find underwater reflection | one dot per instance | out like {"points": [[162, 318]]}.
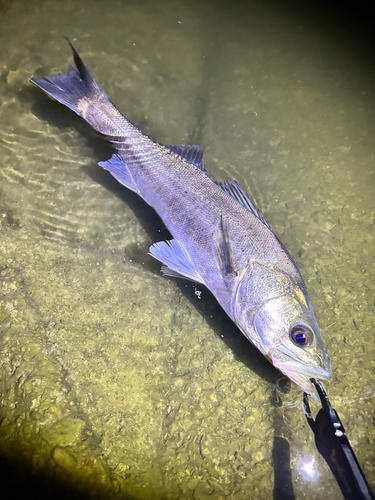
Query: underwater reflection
{"points": [[308, 469]]}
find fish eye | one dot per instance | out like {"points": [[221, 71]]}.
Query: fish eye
{"points": [[301, 335]]}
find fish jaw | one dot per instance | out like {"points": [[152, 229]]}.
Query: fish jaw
{"points": [[284, 360]]}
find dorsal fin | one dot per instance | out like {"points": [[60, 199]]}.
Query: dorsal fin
{"points": [[193, 154], [235, 191]]}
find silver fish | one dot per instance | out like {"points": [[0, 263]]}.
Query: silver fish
{"points": [[220, 237]]}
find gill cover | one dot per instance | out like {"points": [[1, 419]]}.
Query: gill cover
{"points": [[264, 305], [273, 311]]}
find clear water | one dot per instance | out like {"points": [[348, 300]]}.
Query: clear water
{"points": [[122, 383]]}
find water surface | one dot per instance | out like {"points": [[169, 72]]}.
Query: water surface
{"points": [[115, 381]]}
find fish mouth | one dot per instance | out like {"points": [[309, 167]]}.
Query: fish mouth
{"points": [[298, 371]]}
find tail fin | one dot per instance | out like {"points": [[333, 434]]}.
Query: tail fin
{"points": [[70, 89], [79, 91]]}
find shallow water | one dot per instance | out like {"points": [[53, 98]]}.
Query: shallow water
{"points": [[115, 381]]}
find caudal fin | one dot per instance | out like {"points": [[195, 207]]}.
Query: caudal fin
{"points": [[70, 89], [79, 91]]}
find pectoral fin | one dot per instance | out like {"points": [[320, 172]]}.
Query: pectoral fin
{"points": [[222, 250], [176, 260]]}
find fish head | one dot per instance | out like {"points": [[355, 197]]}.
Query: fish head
{"points": [[273, 310]]}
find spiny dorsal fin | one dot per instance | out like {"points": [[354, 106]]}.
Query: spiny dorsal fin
{"points": [[235, 191], [222, 250], [193, 154]]}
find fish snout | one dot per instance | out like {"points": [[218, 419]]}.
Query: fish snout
{"points": [[301, 372]]}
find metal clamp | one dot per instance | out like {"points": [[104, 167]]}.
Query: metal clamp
{"points": [[333, 445]]}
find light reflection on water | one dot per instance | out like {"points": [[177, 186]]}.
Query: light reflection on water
{"points": [[308, 469]]}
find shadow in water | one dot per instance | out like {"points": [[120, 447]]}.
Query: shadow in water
{"points": [[283, 483]]}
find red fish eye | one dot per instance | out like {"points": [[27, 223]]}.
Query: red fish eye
{"points": [[300, 336]]}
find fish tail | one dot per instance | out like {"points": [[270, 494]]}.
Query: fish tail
{"points": [[79, 91]]}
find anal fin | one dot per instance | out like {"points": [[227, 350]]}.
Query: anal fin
{"points": [[175, 259], [117, 167]]}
